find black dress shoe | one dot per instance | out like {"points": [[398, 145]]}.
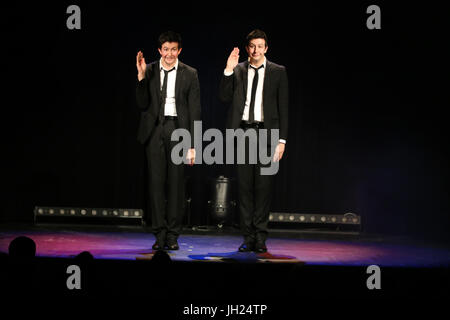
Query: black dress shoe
{"points": [[172, 244], [260, 246], [246, 247], [158, 245]]}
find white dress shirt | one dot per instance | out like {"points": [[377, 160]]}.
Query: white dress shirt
{"points": [[169, 107], [258, 114]]}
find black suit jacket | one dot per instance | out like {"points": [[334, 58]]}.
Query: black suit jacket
{"points": [[233, 89], [187, 99]]}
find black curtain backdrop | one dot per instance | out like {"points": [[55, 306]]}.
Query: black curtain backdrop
{"points": [[367, 125]]}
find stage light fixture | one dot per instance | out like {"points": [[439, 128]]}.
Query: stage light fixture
{"points": [[348, 219], [94, 215]]}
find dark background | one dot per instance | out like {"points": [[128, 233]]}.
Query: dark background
{"points": [[367, 115]]}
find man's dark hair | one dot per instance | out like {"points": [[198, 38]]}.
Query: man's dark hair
{"points": [[169, 36], [256, 34]]}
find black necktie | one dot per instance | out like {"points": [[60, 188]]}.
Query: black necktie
{"points": [[251, 115], [163, 95]]}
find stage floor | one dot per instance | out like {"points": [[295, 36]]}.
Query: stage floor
{"points": [[134, 243], [208, 268]]}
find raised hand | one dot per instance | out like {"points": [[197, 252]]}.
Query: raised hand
{"points": [[141, 65], [233, 60]]}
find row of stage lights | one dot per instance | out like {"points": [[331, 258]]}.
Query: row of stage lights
{"points": [[348, 218], [88, 212]]}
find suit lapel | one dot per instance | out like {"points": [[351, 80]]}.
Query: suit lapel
{"points": [[245, 77], [267, 74], [179, 80], [157, 74]]}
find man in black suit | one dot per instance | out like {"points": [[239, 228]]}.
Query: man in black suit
{"points": [[168, 94], [258, 92]]}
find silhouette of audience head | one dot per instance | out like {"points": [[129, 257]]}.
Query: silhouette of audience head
{"points": [[22, 247], [84, 256], [161, 257]]}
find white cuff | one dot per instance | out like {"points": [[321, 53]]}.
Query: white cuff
{"points": [[227, 73], [282, 141]]}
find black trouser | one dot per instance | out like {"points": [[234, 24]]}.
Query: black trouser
{"points": [[166, 182], [254, 194]]}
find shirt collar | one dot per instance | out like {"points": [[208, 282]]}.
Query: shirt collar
{"points": [[263, 64], [162, 68]]}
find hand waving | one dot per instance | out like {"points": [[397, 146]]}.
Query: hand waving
{"points": [[140, 65], [233, 60]]}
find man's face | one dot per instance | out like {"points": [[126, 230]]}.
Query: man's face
{"points": [[256, 49], [169, 53]]}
